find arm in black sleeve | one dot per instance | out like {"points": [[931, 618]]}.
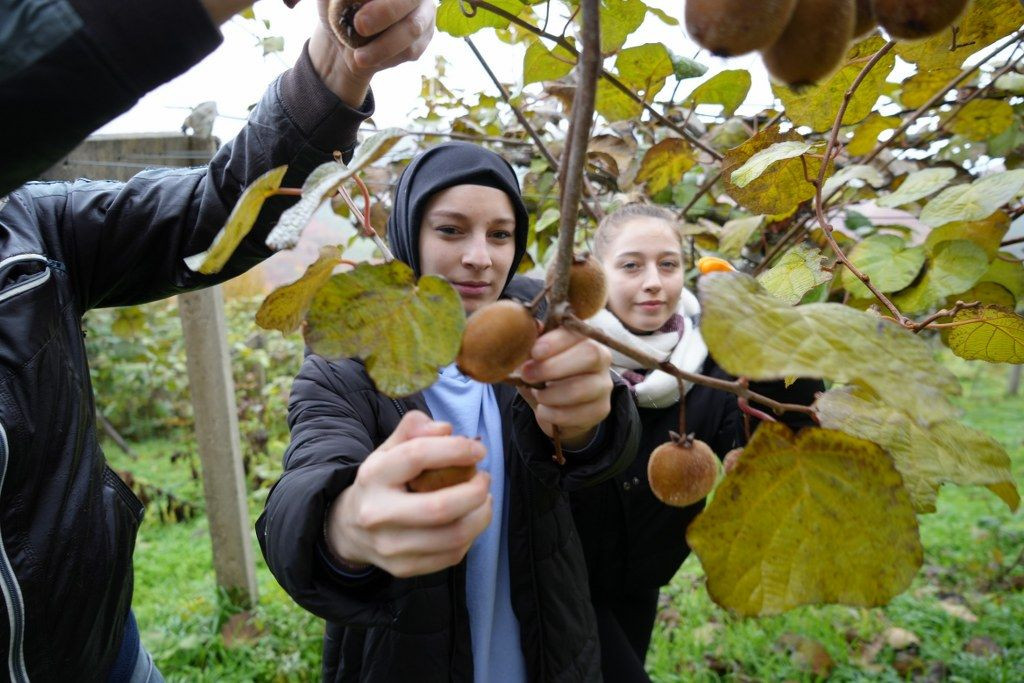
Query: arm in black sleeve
{"points": [[125, 243], [71, 66]]}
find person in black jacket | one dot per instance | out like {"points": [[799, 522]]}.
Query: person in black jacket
{"points": [[69, 66], [634, 543], [67, 523], [482, 581]]}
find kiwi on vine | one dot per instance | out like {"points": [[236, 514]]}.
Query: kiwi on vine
{"points": [[732, 458], [441, 478], [911, 19], [682, 471], [864, 22], [498, 339], [588, 290], [341, 15], [727, 28], [813, 43]]}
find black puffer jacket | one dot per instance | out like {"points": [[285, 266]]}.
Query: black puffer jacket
{"points": [[67, 523], [633, 541], [385, 629]]}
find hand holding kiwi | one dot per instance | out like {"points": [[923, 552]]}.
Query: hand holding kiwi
{"points": [[341, 16]]}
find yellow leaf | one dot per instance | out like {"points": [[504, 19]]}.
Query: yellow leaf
{"points": [[615, 105], [982, 119], [818, 105], [820, 518], [887, 261], [451, 20], [541, 64], [736, 233], [986, 293], [927, 456], [286, 306], [645, 68], [239, 223], [619, 18], [865, 137], [1008, 274], [665, 163], [756, 165], [988, 333], [782, 187], [919, 88]]}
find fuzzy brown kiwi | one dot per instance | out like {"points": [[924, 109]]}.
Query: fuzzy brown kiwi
{"points": [[441, 478], [865, 19], [734, 27], [341, 16], [588, 290], [497, 340], [682, 471], [910, 19], [814, 42], [732, 458]]}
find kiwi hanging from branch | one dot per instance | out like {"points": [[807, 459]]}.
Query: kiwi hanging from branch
{"points": [[727, 28], [813, 43], [682, 471], [588, 290], [912, 19], [498, 339], [341, 15]]}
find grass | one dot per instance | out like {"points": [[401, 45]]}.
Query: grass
{"points": [[967, 591]]}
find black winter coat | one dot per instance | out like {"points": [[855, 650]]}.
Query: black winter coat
{"points": [[67, 523], [631, 539], [386, 629]]}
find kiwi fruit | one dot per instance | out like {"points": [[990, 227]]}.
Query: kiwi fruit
{"points": [[588, 291], [341, 15], [682, 471], [814, 42], [911, 19], [727, 28], [864, 22], [732, 458], [441, 478], [498, 339]]}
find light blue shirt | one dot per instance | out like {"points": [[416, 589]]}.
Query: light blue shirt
{"points": [[472, 410]]}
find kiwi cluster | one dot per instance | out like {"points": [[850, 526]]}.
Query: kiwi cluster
{"points": [[682, 471], [802, 41]]}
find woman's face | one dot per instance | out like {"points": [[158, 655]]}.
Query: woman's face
{"points": [[467, 236], [644, 266]]}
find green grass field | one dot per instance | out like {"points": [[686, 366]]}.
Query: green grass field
{"points": [[962, 620]]}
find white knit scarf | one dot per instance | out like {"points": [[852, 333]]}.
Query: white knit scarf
{"points": [[684, 348]]}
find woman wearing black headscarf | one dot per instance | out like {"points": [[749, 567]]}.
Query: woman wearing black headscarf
{"points": [[481, 581]]}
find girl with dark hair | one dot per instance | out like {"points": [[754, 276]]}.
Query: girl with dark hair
{"points": [[484, 580], [634, 543]]}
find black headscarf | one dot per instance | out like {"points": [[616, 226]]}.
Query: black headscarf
{"points": [[441, 167]]}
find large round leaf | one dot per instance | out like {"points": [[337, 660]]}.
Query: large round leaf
{"points": [[988, 333], [887, 260]]}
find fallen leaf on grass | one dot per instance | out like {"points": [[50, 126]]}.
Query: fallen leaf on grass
{"points": [[900, 638], [239, 630], [955, 609], [707, 634], [807, 654]]}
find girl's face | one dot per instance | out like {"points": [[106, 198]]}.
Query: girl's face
{"points": [[644, 266], [468, 237]]}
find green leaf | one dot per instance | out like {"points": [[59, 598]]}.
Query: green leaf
{"points": [[779, 191], [736, 233], [865, 137], [796, 273], [868, 174], [923, 85], [728, 88], [546, 220], [684, 67], [982, 119], [613, 104], [619, 18], [645, 68], [1009, 274], [995, 335], [756, 165], [918, 185], [286, 306], [887, 261], [541, 64], [239, 223], [405, 330], [374, 147], [452, 21], [927, 456], [129, 322], [819, 105], [665, 163], [954, 266], [818, 518], [973, 202], [987, 233], [664, 16], [752, 334]]}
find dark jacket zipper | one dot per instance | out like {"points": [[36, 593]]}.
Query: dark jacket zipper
{"points": [[11, 590]]}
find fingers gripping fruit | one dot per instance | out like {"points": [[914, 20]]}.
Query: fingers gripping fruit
{"points": [[916, 18], [682, 471], [587, 289], [735, 27], [497, 340], [443, 477], [341, 16], [813, 43]]}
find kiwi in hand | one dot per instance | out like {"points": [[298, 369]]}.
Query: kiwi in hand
{"points": [[910, 19], [682, 471], [813, 43], [734, 27], [498, 339], [341, 15], [441, 478]]}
